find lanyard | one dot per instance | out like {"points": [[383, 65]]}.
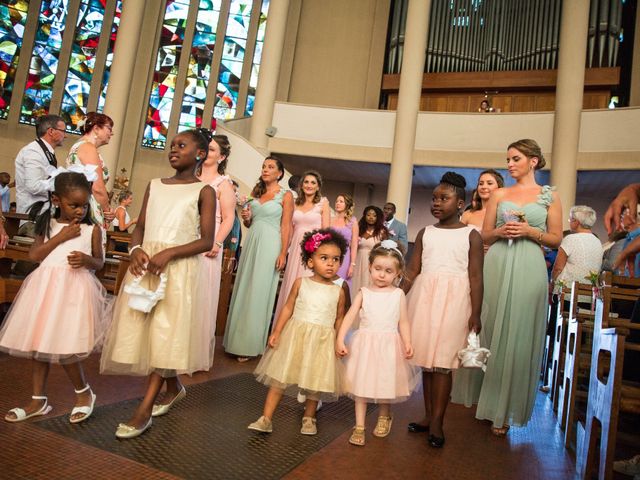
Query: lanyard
{"points": [[51, 157]]}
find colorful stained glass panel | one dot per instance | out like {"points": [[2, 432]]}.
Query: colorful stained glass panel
{"points": [[235, 42], [166, 71], [44, 60], [109, 60], [195, 93], [82, 62], [13, 17], [257, 57]]}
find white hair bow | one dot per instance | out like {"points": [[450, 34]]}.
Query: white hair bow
{"points": [[390, 245], [89, 171]]}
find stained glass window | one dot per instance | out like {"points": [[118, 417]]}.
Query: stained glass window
{"points": [[109, 60], [235, 42], [257, 56], [166, 72], [44, 60], [204, 41], [13, 17], [82, 61]]}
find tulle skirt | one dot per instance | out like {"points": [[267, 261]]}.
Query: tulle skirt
{"points": [[376, 368], [60, 315], [304, 359], [439, 306], [177, 336]]}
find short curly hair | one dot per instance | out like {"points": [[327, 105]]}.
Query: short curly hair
{"points": [[334, 238]]}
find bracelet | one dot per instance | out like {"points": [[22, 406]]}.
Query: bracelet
{"points": [[540, 236], [219, 244], [133, 248]]}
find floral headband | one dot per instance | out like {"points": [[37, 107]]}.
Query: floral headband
{"points": [[315, 240], [89, 171], [390, 245]]}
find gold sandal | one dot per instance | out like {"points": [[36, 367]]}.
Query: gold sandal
{"points": [[500, 431], [383, 427], [357, 437]]}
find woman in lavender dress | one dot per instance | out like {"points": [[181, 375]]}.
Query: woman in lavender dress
{"points": [[344, 222]]}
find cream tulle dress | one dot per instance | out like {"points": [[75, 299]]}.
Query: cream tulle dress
{"points": [[305, 356], [177, 336], [376, 368], [60, 313]]}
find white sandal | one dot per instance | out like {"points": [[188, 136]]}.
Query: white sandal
{"points": [[86, 409], [22, 415]]}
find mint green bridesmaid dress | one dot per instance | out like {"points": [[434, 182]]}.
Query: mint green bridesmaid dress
{"points": [[256, 282], [514, 319]]}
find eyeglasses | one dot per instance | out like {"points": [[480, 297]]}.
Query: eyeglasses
{"points": [[58, 129]]}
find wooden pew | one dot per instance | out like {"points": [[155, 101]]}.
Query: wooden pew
{"points": [[578, 347], [226, 288], [608, 396], [558, 355], [9, 285]]}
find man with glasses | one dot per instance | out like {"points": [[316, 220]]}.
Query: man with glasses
{"points": [[31, 165]]}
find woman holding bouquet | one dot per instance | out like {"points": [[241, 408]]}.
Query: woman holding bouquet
{"points": [[519, 221]]}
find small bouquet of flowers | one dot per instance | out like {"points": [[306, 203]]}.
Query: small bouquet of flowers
{"points": [[243, 200], [594, 279], [513, 216]]}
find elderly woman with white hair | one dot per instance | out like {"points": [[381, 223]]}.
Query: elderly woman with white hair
{"points": [[581, 251]]}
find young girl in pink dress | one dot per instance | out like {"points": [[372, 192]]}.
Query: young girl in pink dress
{"points": [[61, 311], [301, 346], [377, 369], [445, 299], [311, 212]]}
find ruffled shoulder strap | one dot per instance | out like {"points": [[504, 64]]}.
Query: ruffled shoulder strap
{"points": [[545, 197], [280, 195]]}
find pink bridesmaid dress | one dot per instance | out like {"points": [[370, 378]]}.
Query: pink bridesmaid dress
{"points": [[303, 222]]}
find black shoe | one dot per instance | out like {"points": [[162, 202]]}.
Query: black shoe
{"points": [[436, 442], [415, 427]]}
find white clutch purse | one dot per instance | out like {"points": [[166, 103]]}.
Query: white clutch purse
{"points": [[142, 299], [474, 356]]}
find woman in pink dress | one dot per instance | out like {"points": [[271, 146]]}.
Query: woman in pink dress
{"points": [[213, 172], [311, 212], [371, 230], [345, 223]]}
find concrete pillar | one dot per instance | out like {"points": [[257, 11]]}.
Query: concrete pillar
{"points": [[120, 79], [411, 74], [269, 72], [569, 93]]}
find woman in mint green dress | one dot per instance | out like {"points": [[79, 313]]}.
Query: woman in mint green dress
{"points": [[264, 253], [519, 221]]}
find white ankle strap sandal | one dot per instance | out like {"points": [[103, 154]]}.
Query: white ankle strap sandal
{"points": [[142, 299]]}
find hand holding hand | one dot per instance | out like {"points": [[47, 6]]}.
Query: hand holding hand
{"points": [[341, 349], [78, 259], [139, 260], [517, 229], [159, 261], [70, 231]]}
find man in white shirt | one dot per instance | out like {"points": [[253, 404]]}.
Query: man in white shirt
{"points": [[31, 164], [397, 229]]}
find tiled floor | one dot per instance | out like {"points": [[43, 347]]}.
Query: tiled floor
{"points": [[471, 452]]}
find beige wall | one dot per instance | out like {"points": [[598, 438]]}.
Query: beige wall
{"points": [[334, 50]]}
